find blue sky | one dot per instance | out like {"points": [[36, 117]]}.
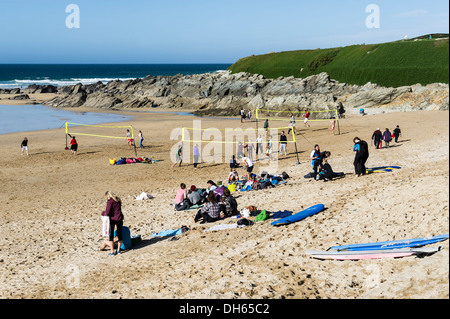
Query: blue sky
{"points": [[201, 31]]}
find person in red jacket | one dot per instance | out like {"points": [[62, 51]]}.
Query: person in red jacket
{"points": [[114, 211]]}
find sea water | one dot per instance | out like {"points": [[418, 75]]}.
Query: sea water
{"points": [[37, 117], [24, 118], [23, 75]]}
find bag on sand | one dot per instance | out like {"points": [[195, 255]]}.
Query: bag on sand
{"points": [[105, 225]]}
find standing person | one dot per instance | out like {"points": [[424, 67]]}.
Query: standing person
{"points": [[292, 124], [24, 145], [240, 150], [333, 125], [242, 115], [397, 133], [283, 143], [249, 166], [361, 150], [306, 116], [73, 145], [114, 211], [141, 138], [129, 138], [249, 115], [316, 159], [387, 137], [259, 147], [233, 163], [376, 137], [179, 156], [250, 147], [266, 125], [196, 156], [269, 148]]}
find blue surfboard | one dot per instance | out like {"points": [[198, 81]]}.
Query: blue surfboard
{"points": [[299, 216], [395, 244]]}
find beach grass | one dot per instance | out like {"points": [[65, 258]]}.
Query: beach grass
{"points": [[390, 64]]}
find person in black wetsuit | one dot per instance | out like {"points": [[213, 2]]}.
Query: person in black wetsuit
{"points": [[361, 150], [377, 136]]}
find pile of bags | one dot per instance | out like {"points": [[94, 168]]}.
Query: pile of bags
{"points": [[124, 160]]}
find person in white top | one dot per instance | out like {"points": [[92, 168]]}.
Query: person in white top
{"points": [[248, 165]]}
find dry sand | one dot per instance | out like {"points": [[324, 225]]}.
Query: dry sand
{"points": [[52, 201]]}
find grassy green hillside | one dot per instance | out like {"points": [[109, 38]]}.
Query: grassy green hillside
{"points": [[388, 64]]}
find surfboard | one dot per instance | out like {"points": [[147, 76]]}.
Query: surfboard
{"points": [[395, 244], [371, 254], [299, 216]]}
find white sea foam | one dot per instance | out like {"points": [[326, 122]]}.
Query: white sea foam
{"points": [[24, 83]]}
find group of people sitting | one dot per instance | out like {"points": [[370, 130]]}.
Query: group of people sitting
{"points": [[217, 202]]}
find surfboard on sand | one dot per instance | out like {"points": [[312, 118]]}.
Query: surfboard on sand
{"points": [[395, 244], [381, 169], [299, 216], [372, 254]]}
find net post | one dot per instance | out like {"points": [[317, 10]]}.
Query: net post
{"points": [[337, 119]]}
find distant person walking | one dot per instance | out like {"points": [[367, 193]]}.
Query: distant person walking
{"points": [[387, 137], [179, 156], [397, 133], [24, 146], [361, 150], [377, 137]]}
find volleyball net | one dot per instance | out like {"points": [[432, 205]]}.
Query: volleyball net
{"points": [[106, 131], [233, 135], [277, 115]]}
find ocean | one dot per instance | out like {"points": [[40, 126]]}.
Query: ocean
{"points": [[22, 75], [25, 118]]}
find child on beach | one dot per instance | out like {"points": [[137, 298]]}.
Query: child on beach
{"points": [[24, 145], [141, 138], [129, 138], [181, 194], [333, 124]]}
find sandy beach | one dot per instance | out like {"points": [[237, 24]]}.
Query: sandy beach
{"points": [[52, 201]]}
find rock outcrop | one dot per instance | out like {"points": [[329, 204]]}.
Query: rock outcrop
{"points": [[225, 94]]}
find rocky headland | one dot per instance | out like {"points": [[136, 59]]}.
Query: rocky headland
{"points": [[225, 94]]}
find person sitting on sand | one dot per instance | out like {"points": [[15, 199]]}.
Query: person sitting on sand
{"points": [[210, 187], [229, 206], [233, 176], [181, 194], [194, 196], [210, 212]]}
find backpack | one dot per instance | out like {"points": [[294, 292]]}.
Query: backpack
{"points": [[185, 204], [262, 216]]}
